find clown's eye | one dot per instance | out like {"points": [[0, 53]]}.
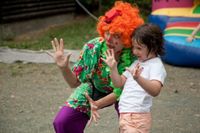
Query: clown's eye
{"points": [[116, 36]]}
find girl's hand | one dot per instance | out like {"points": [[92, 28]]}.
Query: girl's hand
{"points": [[61, 60], [110, 58], [136, 71], [94, 114]]}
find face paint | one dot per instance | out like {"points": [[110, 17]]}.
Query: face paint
{"points": [[114, 42]]}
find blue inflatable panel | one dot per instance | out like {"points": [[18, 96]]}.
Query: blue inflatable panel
{"points": [[182, 55], [178, 51], [181, 40], [159, 20], [183, 19], [176, 28]]}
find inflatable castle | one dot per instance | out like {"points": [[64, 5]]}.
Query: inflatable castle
{"points": [[178, 19]]}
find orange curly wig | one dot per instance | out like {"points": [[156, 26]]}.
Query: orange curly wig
{"points": [[122, 19]]}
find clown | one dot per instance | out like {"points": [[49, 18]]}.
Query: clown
{"points": [[90, 74]]}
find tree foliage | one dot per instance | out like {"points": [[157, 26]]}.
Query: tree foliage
{"points": [[144, 5], [103, 5]]}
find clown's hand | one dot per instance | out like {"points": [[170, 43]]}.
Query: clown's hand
{"points": [[94, 113], [61, 60]]}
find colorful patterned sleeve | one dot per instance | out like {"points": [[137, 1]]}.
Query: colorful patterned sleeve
{"points": [[87, 60]]}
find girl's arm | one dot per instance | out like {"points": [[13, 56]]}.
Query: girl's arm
{"points": [[117, 79], [152, 87]]}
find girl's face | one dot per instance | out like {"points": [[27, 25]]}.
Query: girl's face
{"points": [[142, 52], [114, 42]]}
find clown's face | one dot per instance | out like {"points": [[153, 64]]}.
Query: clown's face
{"points": [[114, 42]]}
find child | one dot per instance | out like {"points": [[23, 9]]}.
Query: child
{"points": [[142, 81], [194, 32]]}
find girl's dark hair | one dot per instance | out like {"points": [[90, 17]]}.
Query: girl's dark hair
{"points": [[151, 36]]}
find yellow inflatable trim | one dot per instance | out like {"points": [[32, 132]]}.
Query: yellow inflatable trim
{"points": [[186, 35], [183, 12], [186, 28]]}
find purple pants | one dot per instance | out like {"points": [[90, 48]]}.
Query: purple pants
{"points": [[69, 120]]}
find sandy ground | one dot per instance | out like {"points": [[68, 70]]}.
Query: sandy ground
{"points": [[31, 95]]}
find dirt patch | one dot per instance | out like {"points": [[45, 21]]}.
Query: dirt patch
{"points": [[31, 94]]}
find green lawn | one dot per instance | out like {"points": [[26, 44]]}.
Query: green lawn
{"points": [[75, 33]]}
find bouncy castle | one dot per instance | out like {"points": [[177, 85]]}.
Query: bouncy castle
{"points": [[178, 19]]}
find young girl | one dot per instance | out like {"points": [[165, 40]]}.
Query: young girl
{"points": [[142, 81]]}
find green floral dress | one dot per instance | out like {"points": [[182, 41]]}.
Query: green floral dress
{"points": [[90, 67]]}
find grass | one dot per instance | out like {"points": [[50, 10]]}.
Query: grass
{"points": [[74, 33]]}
